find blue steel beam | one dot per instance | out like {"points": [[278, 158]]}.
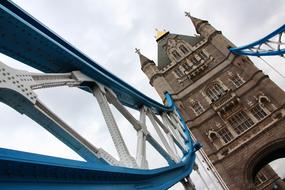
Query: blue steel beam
{"points": [[24, 38], [40, 114], [33, 171], [21, 170], [247, 49]]}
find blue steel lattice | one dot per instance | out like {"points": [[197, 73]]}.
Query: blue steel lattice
{"points": [[271, 45], [27, 40]]}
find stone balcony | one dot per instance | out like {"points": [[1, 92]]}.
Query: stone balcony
{"points": [[227, 103], [196, 70]]}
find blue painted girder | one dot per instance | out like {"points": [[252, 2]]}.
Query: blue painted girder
{"points": [[20, 170], [245, 50], [24, 38]]}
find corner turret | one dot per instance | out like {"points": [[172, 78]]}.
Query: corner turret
{"points": [[202, 27], [147, 65]]}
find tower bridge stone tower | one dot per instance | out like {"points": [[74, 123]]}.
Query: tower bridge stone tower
{"points": [[231, 106]]}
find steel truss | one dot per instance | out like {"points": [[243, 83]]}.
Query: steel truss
{"points": [[271, 45], [27, 40]]}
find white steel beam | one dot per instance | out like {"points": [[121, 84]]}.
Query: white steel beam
{"points": [[141, 142], [125, 158]]}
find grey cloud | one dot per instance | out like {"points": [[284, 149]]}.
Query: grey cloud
{"points": [[108, 32]]}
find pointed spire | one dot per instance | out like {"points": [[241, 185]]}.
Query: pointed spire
{"points": [[143, 59], [196, 21]]}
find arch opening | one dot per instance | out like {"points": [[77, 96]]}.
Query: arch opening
{"points": [[263, 169]]}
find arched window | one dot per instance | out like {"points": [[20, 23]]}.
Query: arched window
{"points": [[258, 112], [215, 139], [183, 49], [178, 73], [215, 91], [266, 104], [236, 80], [186, 66], [225, 134], [197, 107], [202, 55], [194, 60], [176, 54], [240, 122]]}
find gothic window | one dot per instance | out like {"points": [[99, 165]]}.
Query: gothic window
{"points": [[202, 55], [186, 66], [178, 73], [225, 134], [183, 49], [194, 60], [197, 107], [237, 80], [258, 112], [240, 122], [215, 91], [215, 138], [176, 54]]}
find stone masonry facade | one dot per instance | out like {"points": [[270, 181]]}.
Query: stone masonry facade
{"points": [[230, 106]]}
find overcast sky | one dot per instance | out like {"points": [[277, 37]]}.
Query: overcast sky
{"points": [[108, 31]]}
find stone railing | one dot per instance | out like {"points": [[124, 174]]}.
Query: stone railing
{"points": [[226, 104], [190, 75]]}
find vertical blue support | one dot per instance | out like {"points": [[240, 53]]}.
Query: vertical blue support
{"points": [[193, 146]]}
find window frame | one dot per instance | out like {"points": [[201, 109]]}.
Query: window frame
{"points": [[197, 108], [240, 122], [177, 71], [215, 91], [183, 49], [176, 54], [225, 135], [258, 112], [237, 80]]}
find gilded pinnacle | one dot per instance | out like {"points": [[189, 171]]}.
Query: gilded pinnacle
{"points": [[160, 33]]}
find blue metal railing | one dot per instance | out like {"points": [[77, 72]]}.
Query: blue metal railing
{"points": [[248, 49], [22, 33]]}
